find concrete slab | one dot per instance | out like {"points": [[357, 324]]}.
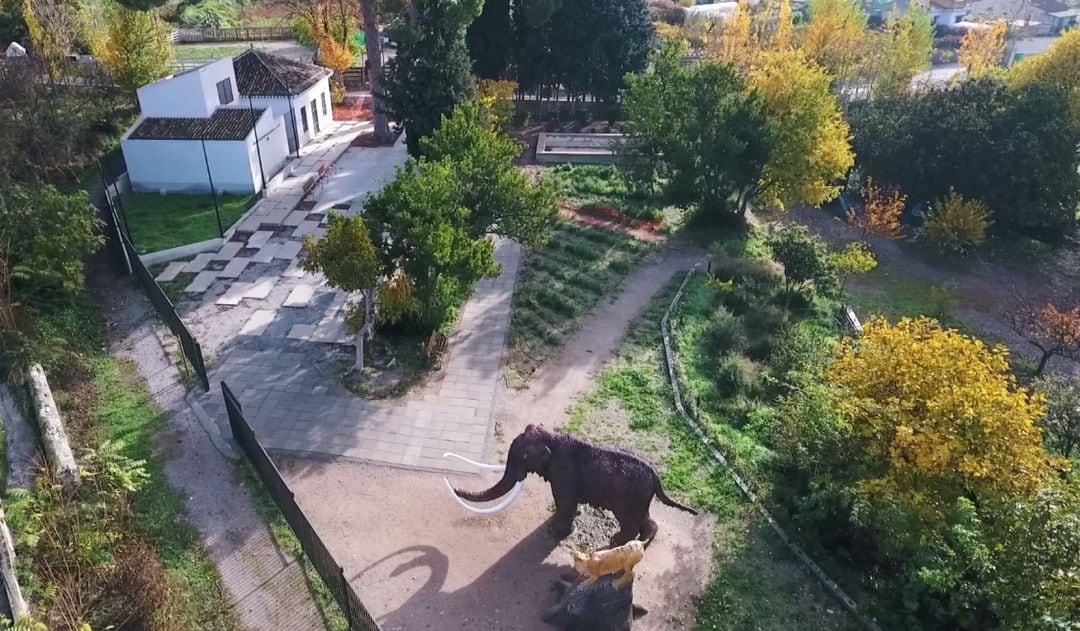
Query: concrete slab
{"points": [[234, 268], [258, 322], [301, 332], [261, 288], [294, 218], [234, 294], [259, 238], [266, 253], [201, 283], [228, 251], [171, 271], [305, 228], [300, 296], [199, 263], [289, 250]]}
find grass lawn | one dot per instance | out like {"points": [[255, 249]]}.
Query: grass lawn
{"points": [[755, 583], [208, 52], [160, 222], [592, 185], [560, 283]]}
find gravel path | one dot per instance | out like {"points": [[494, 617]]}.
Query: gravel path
{"points": [[264, 582], [421, 562]]}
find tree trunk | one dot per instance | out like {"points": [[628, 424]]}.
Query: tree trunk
{"points": [[373, 42], [1042, 363], [53, 437], [360, 336]]}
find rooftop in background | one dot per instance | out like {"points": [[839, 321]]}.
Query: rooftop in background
{"points": [[263, 74], [223, 124]]}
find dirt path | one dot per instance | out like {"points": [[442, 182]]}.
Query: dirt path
{"points": [[265, 584], [439, 567]]}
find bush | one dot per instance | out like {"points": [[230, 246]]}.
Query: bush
{"points": [[737, 376], [957, 223], [725, 333], [208, 14], [805, 259], [762, 323]]}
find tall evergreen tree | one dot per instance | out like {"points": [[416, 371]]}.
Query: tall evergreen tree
{"points": [[491, 38], [430, 75]]}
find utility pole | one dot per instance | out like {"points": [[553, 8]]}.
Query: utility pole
{"points": [[213, 193]]}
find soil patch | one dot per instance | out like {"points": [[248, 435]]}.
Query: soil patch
{"points": [[611, 218]]}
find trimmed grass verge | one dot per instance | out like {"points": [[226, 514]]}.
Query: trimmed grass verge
{"points": [[603, 185], [562, 282], [160, 222]]}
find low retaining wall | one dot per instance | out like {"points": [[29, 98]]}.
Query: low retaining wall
{"points": [[560, 148]]}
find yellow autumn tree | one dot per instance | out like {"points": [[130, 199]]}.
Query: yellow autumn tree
{"points": [[811, 146], [957, 223], [784, 33], [53, 26], [902, 49], [983, 48], [834, 38], [733, 40], [133, 45], [938, 416], [1059, 67]]}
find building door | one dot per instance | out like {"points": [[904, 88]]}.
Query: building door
{"points": [[315, 115]]}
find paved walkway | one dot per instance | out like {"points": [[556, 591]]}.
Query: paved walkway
{"points": [[293, 397]]}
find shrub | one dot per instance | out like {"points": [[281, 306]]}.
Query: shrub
{"points": [[1062, 421], [805, 259], [737, 376], [725, 333], [957, 223], [762, 323]]}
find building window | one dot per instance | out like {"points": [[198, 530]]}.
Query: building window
{"points": [[303, 118], [224, 92], [322, 97], [958, 19]]}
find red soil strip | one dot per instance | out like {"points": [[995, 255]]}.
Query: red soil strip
{"points": [[611, 218], [358, 110]]}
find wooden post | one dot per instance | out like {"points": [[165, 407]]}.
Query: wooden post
{"points": [[19, 610]]}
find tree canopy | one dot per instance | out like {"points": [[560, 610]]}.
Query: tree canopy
{"points": [[134, 46]]}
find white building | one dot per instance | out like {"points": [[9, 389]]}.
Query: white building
{"points": [[229, 122]]}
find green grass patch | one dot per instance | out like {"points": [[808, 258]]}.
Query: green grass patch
{"points": [[200, 53], [894, 297], [160, 222], [560, 283], [605, 185], [286, 540], [126, 413], [755, 583]]}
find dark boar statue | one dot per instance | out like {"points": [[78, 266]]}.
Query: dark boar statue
{"points": [[597, 606]]}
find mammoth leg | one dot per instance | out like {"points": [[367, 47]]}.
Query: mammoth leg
{"points": [[566, 506], [628, 527], [648, 529]]}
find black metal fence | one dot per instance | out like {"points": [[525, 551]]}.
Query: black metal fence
{"points": [[332, 574], [118, 240]]}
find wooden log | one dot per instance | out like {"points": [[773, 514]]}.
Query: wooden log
{"points": [[53, 437]]}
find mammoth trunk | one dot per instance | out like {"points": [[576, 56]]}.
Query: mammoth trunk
{"points": [[502, 487]]}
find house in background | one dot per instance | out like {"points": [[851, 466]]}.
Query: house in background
{"points": [[296, 91], [232, 122]]}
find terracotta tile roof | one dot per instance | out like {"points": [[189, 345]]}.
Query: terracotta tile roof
{"points": [[262, 74], [223, 124]]}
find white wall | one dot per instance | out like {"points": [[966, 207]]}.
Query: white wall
{"points": [[178, 166], [191, 94], [273, 148], [280, 107]]}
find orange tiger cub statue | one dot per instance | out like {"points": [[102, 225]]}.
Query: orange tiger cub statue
{"points": [[612, 561]]}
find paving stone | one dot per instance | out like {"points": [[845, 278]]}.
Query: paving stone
{"points": [[289, 250], [266, 253], [234, 294], [300, 296], [171, 271], [257, 323], [261, 288], [201, 283], [198, 263], [234, 268], [259, 238], [294, 271], [294, 218], [305, 228], [228, 251], [301, 332]]}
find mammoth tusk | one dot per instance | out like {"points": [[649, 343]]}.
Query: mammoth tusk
{"points": [[510, 497], [497, 468]]}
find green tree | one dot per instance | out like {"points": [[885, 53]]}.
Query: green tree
{"points": [[702, 128], [1006, 148], [347, 258], [420, 227], [855, 258], [804, 256], [901, 50], [491, 40], [135, 46], [430, 75], [500, 197]]}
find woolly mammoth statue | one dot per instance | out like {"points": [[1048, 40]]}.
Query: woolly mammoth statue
{"points": [[579, 473]]}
